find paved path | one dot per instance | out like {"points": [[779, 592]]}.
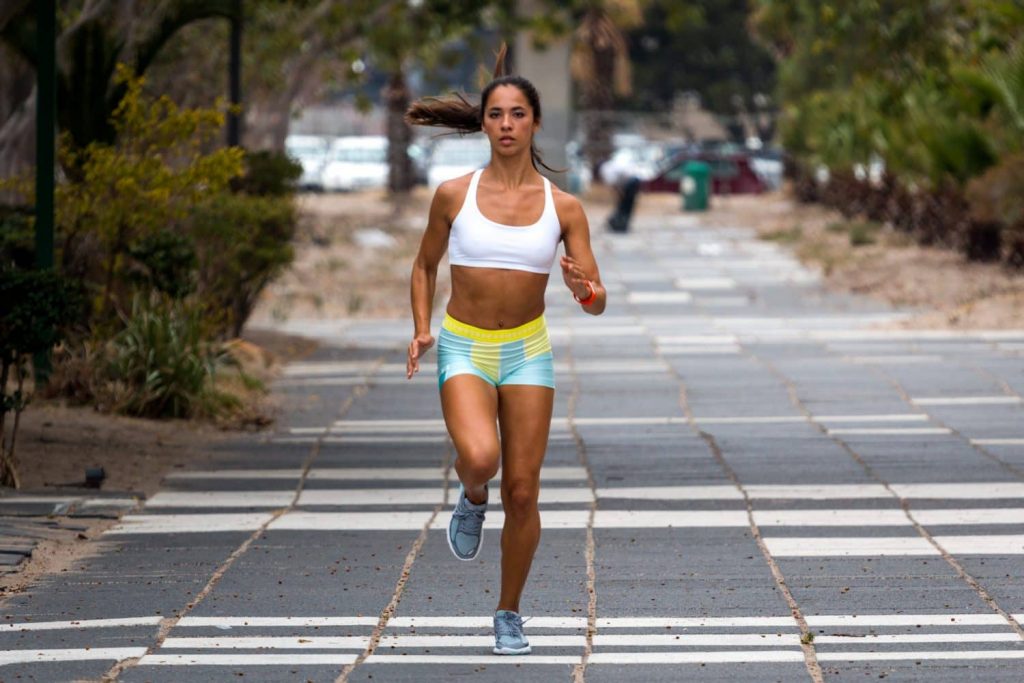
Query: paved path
{"points": [[744, 482]]}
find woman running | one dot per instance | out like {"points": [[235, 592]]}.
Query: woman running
{"points": [[501, 226]]}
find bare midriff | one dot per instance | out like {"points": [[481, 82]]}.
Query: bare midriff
{"points": [[495, 298]]}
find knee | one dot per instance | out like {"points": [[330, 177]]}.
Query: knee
{"points": [[519, 499], [478, 463]]}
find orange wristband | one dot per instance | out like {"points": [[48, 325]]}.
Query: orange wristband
{"points": [[590, 297]]}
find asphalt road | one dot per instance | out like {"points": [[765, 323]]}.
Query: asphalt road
{"points": [[747, 479]]}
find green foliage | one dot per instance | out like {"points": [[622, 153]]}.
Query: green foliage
{"points": [[242, 243], [268, 173], [863, 234], [35, 307], [144, 184], [165, 262], [164, 361], [17, 237]]}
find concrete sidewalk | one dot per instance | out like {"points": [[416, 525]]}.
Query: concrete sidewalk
{"points": [[745, 481]]}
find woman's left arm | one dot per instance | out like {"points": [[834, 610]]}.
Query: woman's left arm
{"points": [[579, 267]]}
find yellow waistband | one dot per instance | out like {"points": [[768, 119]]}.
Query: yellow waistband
{"points": [[479, 334]]}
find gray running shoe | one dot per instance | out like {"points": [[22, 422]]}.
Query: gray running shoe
{"points": [[466, 528], [508, 634]]}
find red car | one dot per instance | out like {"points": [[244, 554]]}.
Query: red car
{"points": [[730, 174]]}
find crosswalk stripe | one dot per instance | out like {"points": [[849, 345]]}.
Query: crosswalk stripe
{"points": [[966, 400], [632, 519], [69, 655], [910, 431], [895, 546], [80, 624], [248, 659]]}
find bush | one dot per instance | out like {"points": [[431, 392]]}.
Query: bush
{"points": [[17, 237], [165, 262], [242, 243], [35, 307], [268, 174], [162, 363]]}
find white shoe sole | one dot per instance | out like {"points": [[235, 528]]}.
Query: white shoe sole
{"points": [[510, 651]]}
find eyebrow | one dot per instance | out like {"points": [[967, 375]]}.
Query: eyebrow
{"points": [[513, 108]]}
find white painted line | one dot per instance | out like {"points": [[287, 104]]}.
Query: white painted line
{"points": [[705, 283], [69, 655], [724, 301], [376, 473], [400, 496], [998, 442], [659, 297], [697, 640], [962, 491], [203, 523], [874, 638], [850, 546], [531, 660], [354, 521], [981, 655], [248, 659], [660, 519], [724, 492], [80, 624], [221, 499], [893, 360], [693, 622], [967, 401], [628, 421], [237, 474], [909, 431], [907, 417], [855, 517], [260, 622], [970, 516], [484, 622], [983, 545], [699, 350], [696, 339], [771, 419], [816, 491], [905, 620], [269, 643], [711, 657]]}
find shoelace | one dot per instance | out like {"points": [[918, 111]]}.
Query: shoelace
{"points": [[510, 625], [469, 521]]}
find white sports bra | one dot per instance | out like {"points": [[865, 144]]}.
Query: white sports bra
{"points": [[478, 242]]}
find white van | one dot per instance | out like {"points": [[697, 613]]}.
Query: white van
{"points": [[357, 162]]}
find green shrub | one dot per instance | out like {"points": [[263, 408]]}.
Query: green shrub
{"points": [[35, 307], [268, 174], [242, 243], [17, 237], [862, 234], [165, 262], [163, 360]]}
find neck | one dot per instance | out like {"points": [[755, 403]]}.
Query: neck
{"points": [[511, 172]]}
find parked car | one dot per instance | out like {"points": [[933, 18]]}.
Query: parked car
{"points": [[456, 156], [311, 152], [357, 162], [731, 173]]}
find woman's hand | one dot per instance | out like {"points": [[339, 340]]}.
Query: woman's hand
{"points": [[575, 279], [417, 347]]}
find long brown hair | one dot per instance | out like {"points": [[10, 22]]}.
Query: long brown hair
{"points": [[464, 117]]}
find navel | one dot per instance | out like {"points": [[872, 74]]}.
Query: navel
{"points": [[501, 324]]}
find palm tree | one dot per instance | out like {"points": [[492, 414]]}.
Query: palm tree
{"points": [[601, 67]]}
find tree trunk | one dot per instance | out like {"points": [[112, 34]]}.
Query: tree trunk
{"points": [[598, 100], [396, 98]]}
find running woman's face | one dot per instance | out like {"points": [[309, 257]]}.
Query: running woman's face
{"points": [[509, 121]]}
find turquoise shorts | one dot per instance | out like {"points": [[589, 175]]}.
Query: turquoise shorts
{"points": [[521, 355]]}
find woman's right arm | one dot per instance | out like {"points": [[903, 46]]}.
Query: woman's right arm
{"points": [[424, 275]]}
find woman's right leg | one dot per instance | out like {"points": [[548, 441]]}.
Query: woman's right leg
{"points": [[470, 407]]}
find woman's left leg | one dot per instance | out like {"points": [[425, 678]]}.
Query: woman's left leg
{"points": [[524, 417]]}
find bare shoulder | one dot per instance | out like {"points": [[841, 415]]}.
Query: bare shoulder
{"points": [[449, 195], [568, 207]]}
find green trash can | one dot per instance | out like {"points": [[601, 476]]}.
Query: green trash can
{"points": [[696, 186]]}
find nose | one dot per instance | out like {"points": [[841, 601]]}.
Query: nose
{"points": [[506, 122]]}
